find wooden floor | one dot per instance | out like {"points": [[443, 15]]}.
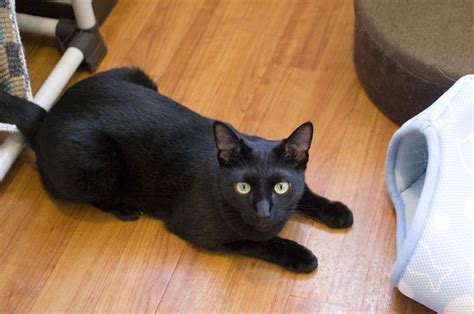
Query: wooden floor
{"points": [[265, 66]]}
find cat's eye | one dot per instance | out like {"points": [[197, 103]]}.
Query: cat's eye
{"points": [[281, 188], [242, 188]]}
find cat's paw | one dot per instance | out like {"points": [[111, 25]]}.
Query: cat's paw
{"points": [[301, 260], [336, 215], [121, 211], [127, 214]]}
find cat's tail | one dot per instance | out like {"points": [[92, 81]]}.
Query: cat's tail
{"points": [[26, 115]]}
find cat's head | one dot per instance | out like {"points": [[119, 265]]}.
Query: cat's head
{"points": [[261, 180]]}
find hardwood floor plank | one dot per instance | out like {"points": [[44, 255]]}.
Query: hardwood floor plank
{"points": [[143, 272], [264, 17], [35, 233], [206, 20], [123, 30], [110, 265], [302, 305], [15, 196], [225, 88], [312, 25], [163, 34]]}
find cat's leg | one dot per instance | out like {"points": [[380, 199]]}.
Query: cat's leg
{"points": [[88, 170], [283, 252], [82, 165], [332, 214], [123, 212]]}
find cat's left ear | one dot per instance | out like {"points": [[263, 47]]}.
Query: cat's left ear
{"points": [[229, 146], [295, 148]]}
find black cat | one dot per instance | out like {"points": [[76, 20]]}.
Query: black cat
{"points": [[113, 141]]}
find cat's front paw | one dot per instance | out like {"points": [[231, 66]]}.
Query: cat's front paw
{"points": [[127, 214], [121, 211], [336, 215], [301, 260]]}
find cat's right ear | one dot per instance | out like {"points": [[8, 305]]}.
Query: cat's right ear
{"points": [[229, 146], [295, 148]]}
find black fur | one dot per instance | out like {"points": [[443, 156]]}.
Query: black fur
{"points": [[24, 114], [113, 141]]}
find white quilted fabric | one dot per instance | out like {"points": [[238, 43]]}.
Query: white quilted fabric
{"points": [[430, 178]]}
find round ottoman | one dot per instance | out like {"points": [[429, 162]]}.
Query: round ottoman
{"points": [[408, 53]]}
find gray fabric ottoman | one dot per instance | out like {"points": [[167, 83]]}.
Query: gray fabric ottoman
{"points": [[408, 53]]}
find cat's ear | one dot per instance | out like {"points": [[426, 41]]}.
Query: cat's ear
{"points": [[229, 146], [295, 148]]}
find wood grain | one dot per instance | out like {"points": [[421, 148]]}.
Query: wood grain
{"points": [[265, 66]]}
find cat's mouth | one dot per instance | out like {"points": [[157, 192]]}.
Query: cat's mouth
{"points": [[251, 229], [262, 226], [249, 223]]}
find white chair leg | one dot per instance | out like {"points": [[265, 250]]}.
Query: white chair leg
{"points": [[84, 13], [37, 24]]}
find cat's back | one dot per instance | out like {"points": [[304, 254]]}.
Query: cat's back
{"points": [[122, 101], [112, 96], [132, 114]]}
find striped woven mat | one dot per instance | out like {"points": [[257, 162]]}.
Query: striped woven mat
{"points": [[14, 77]]}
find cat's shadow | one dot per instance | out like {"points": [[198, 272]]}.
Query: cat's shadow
{"points": [[84, 212], [252, 270]]}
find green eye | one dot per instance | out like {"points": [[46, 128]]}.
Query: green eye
{"points": [[281, 188], [242, 188]]}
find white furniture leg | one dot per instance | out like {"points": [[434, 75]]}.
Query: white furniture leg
{"points": [[84, 13], [36, 24]]}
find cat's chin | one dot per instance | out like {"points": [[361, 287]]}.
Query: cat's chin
{"points": [[263, 227], [256, 232]]}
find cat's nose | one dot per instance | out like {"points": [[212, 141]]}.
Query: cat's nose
{"points": [[263, 209]]}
